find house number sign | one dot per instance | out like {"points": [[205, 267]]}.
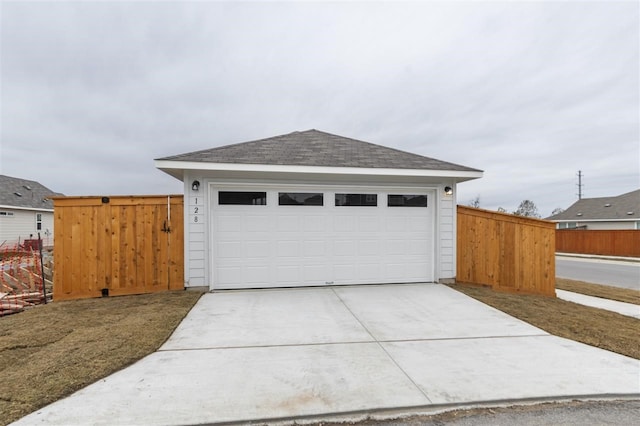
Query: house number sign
{"points": [[196, 212]]}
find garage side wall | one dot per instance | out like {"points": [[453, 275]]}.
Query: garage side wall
{"points": [[447, 234], [196, 231]]}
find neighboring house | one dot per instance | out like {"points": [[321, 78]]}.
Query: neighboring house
{"points": [[311, 208], [25, 210], [620, 212]]}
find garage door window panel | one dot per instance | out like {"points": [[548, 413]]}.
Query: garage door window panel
{"points": [[242, 198], [356, 200], [406, 200], [300, 198]]}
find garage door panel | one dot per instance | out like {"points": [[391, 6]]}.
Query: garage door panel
{"points": [[228, 223], [315, 248], [414, 271], [288, 248], [273, 245], [368, 272], [419, 224], [288, 274], [288, 223], [258, 249], [257, 275], [418, 247], [344, 223], [316, 274], [396, 247], [254, 223], [368, 224], [229, 250], [344, 248], [346, 273], [314, 223], [368, 248], [229, 274]]}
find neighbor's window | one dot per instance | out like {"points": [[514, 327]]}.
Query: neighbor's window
{"points": [[242, 198], [38, 221], [406, 200], [300, 198], [7, 214], [357, 200]]}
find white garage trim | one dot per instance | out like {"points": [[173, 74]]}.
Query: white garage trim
{"points": [[285, 246]]}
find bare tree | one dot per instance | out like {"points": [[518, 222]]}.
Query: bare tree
{"points": [[475, 203], [527, 208], [556, 211], [502, 210]]}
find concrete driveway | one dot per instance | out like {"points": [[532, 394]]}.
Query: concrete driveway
{"points": [[300, 353]]}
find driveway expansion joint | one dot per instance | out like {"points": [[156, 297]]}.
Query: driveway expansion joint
{"points": [[289, 345], [381, 346]]}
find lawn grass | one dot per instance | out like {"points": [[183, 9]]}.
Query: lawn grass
{"points": [[596, 327], [51, 351], [614, 293]]}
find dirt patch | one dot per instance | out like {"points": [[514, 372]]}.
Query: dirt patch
{"points": [[595, 327], [597, 290], [51, 351]]}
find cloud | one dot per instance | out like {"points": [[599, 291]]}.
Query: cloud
{"points": [[530, 92]]}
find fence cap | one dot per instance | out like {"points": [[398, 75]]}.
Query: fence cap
{"points": [[507, 216]]}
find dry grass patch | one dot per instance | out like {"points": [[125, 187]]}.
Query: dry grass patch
{"points": [[614, 293], [595, 327], [51, 351]]}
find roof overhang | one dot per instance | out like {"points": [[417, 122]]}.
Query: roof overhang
{"points": [[34, 209], [177, 169]]}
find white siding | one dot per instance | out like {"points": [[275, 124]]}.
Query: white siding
{"points": [[447, 224], [609, 225], [21, 225], [195, 225]]}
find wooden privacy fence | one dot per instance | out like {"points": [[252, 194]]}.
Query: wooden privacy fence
{"points": [[618, 242], [117, 245], [509, 253]]}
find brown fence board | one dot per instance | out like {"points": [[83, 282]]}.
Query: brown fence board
{"points": [[615, 242], [120, 245], [509, 253]]}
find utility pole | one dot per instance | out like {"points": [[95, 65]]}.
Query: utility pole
{"points": [[580, 185]]}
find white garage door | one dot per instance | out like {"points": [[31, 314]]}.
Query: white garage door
{"points": [[310, 237]]}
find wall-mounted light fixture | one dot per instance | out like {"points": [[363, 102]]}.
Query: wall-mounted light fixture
{"points": [[448, 190], [195, 185]]}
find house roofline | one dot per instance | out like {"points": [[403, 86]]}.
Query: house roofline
{"points": [[177, 168], [4, 206]]}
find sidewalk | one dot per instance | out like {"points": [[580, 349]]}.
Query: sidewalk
{"points": [[628, 309], [600, 257]]}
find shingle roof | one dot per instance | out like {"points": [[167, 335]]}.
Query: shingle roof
{"points": [[613, 208], [32, 194], [316, 148]]}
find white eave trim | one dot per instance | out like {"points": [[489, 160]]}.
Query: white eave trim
{"points": [[195, 165], [34, 209]]}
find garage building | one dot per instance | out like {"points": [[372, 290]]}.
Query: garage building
{"points": [[312, 209]]}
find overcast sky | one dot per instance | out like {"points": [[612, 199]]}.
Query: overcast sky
{"points": [[529, 92]]}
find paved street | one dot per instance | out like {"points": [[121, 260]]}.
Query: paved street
{"points": [[599, 271]]}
